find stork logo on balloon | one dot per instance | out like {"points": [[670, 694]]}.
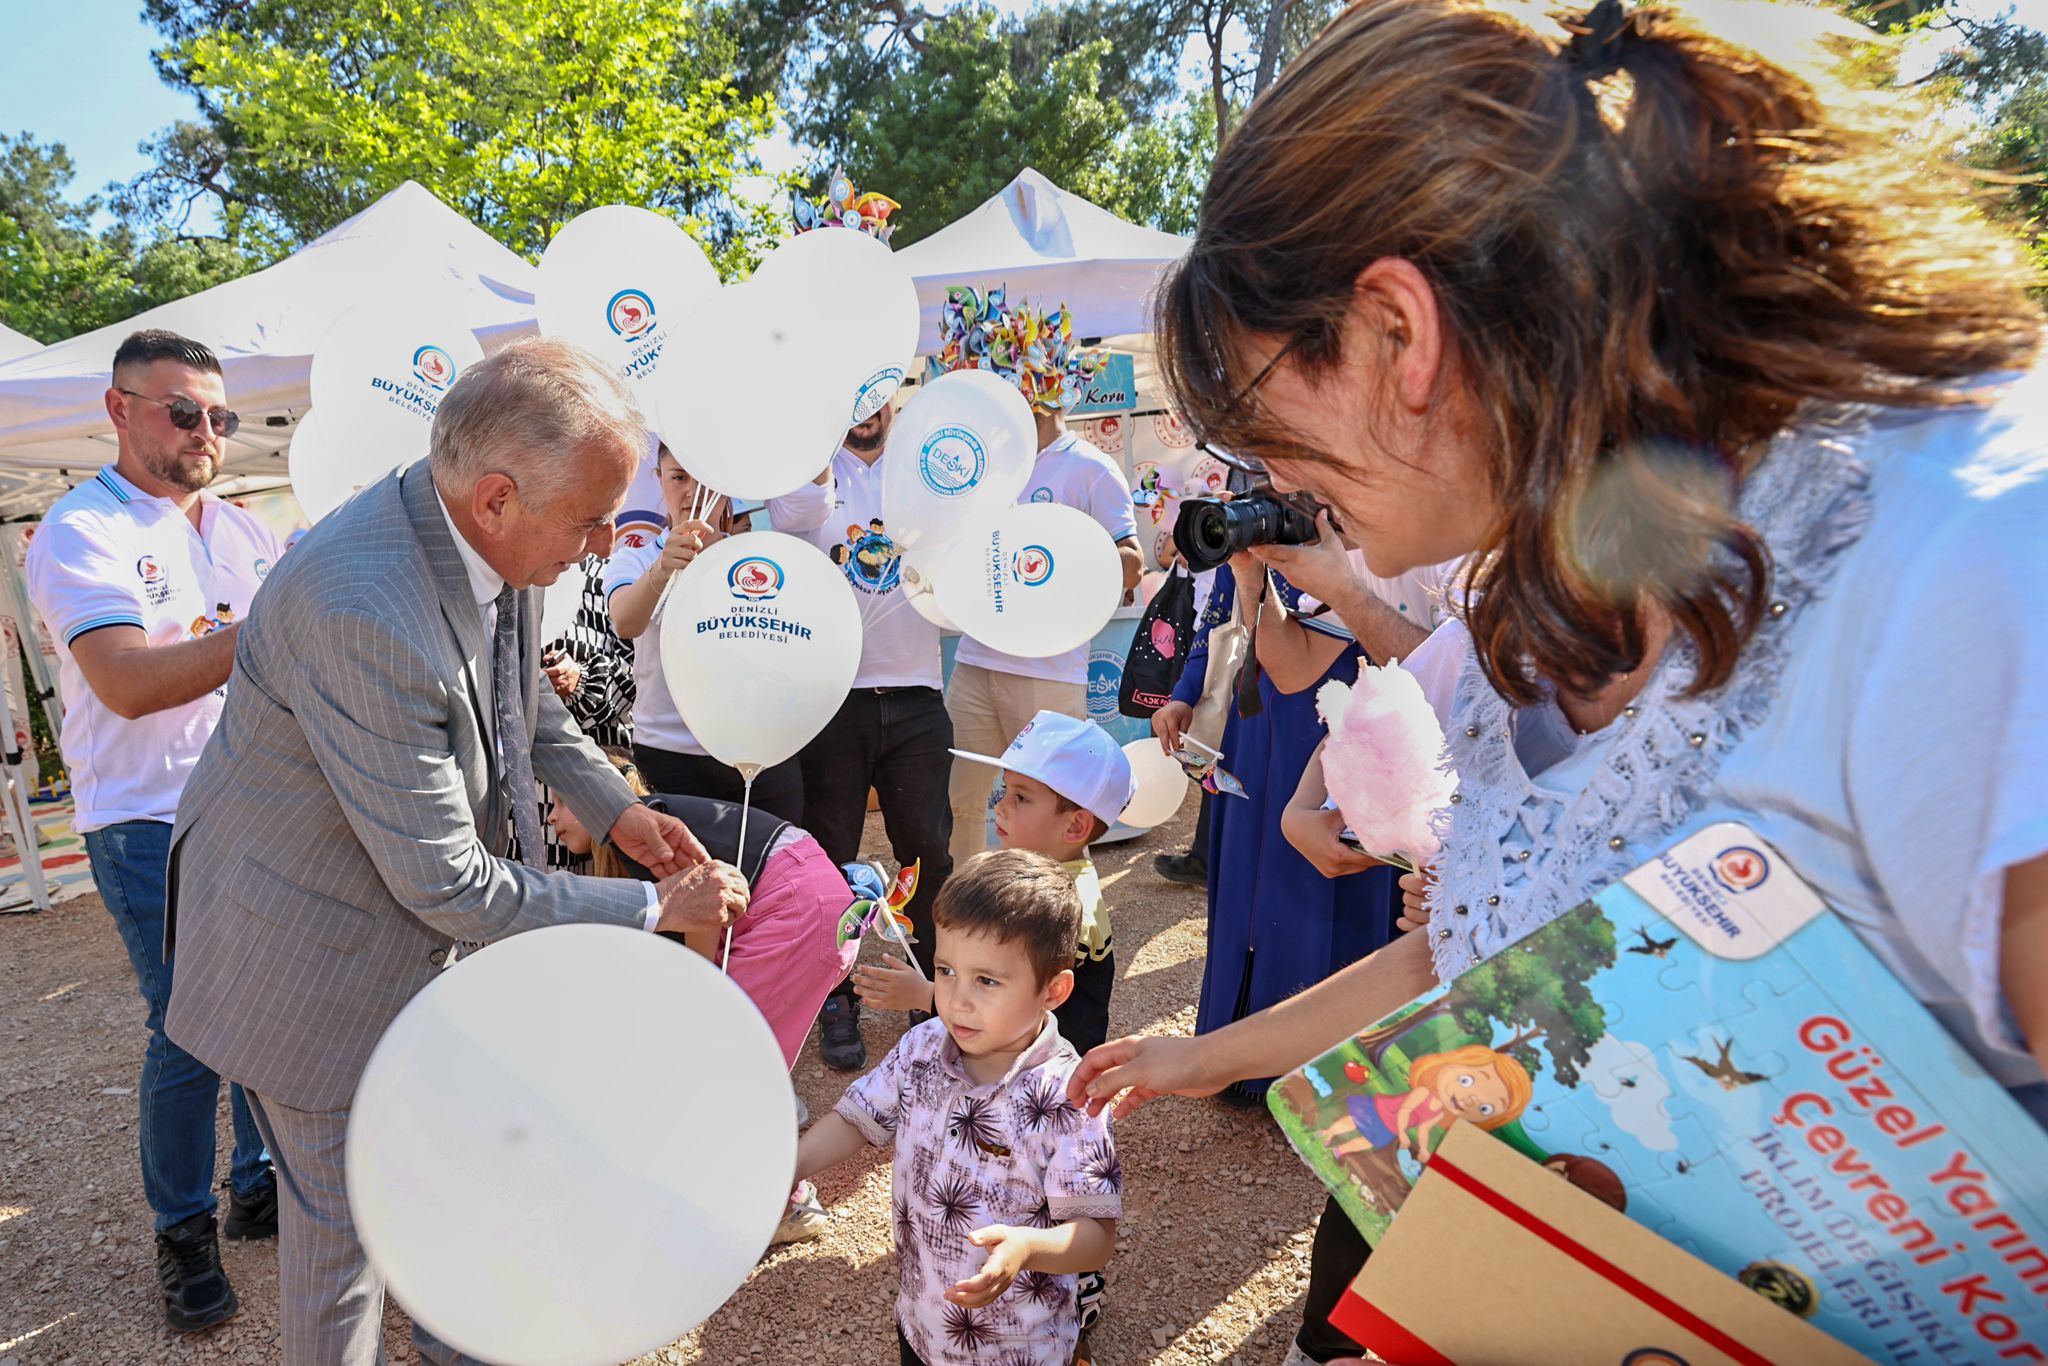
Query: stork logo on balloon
{"points": [[1031, 566], [755, 579], [433, 367], [631, 313]]}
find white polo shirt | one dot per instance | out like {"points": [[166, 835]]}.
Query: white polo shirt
{"points": [[898, 648], [1078, 474], [108, 554]]}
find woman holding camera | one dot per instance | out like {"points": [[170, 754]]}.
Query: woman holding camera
{"points": [[1738, 411]]}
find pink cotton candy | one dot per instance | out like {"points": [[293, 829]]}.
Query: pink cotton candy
{"points": [[1384, 763]]}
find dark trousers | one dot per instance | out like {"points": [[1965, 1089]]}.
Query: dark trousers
{"points": [[904, 1356], [894, 741], [178, 1096], [778, 790], [1084, 1018], [1334, 1261]]}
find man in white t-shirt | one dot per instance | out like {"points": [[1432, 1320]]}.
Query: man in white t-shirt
{"points": [[144, 580], [991, 694], [892, 734]]}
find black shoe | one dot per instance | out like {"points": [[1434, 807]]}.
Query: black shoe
{"points": [[196, 1290], [1238, 1097], [253, 1215], [1187, 869], [839, 1034]]}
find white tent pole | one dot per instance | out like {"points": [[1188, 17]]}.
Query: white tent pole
{"points": [[15, 799], [14, 601]]}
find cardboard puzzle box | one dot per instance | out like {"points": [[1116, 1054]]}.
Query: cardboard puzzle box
{"points": [[1706, 1048]]}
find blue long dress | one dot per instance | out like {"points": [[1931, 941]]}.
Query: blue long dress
{"points": [[1276, 925]]}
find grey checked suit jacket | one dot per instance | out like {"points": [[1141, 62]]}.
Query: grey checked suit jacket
{"points": [[344, 825]]}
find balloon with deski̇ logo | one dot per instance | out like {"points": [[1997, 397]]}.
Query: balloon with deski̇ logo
{"points": [[379, 375], [646, 1238], [962, 447], [622, 282], [1034, 579], [754, 396], [870, 299]]}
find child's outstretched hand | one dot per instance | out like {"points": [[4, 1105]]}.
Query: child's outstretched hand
{"points": [[1009, 1249], [892, 984]]}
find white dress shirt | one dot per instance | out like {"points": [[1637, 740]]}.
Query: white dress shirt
{"points": [[485, 583]]}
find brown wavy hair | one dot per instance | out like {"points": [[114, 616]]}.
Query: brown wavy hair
{"points": [[1650, 256]]}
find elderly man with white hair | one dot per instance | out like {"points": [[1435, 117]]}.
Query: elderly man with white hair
{"points": [[367, 807]]}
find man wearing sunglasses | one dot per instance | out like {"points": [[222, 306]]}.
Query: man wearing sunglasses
{"points": [[144, 579]]}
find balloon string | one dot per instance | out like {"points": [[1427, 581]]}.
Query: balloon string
{"points": [[746, 803]]}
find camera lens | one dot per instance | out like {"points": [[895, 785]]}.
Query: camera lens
{"points": [[1208, 532]]}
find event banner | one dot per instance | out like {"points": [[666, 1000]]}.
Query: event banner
{"points": [[1710, 1050]]}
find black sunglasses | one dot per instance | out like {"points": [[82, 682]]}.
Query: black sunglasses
{"points": [[185, 414]]}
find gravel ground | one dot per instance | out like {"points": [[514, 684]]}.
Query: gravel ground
{"points": [[1209, 1269]]}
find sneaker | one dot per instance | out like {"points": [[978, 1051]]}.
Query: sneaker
{"points": [[1089, 1289], [839, 1034], [196, 1290], [805, 1218], [1189, 870], [1297, 1357], [803, 1115], [918, 1017], [253, 1215]]}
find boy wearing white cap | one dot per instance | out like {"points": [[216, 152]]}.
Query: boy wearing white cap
{"points": [[1064, 783]]}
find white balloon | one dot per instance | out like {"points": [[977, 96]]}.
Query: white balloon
{"points": [[1035, 579], [863, 295], [922, 597], [559, 602], [379, 375], [749, 399], [1162, 783], [962, 447], [623, 282], [323, 478], [481, 1119], [760, 641]]}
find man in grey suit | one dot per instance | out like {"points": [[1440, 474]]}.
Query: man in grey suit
{"points": [[367, 807]]}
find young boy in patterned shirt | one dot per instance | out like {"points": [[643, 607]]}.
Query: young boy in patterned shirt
{"points": [[1065, 782], [1003, 1189]]}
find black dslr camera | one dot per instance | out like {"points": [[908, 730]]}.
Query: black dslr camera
{"points": [[1209, 531]]}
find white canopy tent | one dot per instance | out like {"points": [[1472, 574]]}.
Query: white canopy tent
{"points": [[1050, 246], [53, 422], [13, 344]]}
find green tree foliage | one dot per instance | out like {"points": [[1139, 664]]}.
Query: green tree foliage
{"points": [[59, 278], [1538, 990], [980, 101], [519, 113], [1993, 73]]}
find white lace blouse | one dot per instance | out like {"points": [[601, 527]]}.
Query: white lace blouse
{"points": [[1886, 730]]}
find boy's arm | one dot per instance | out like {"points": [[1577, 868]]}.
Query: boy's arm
{"points": [[826, 1144], [1080, 1245]]}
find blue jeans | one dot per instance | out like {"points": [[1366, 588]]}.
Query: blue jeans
{"points": [[178, 1093]]}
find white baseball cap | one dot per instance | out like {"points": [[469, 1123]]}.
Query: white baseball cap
{"points": [[1074, 758]]}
